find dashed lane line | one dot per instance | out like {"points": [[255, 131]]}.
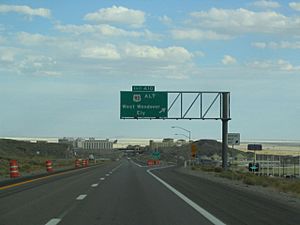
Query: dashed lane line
{"points": [[81, 197], [117, 167], [53, 221]]}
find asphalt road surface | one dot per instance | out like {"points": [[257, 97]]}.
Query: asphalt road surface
{"points": [[122, 193]]}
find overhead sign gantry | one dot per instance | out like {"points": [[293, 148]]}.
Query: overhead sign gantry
{"points": [[143, 102]]}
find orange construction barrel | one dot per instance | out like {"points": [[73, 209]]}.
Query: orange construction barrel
{"points": [[84, 163], [77, 163], [14, 168], [150, 162], [49, 166]]}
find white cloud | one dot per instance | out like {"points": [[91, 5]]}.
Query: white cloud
{"points": [[240, 21], [108, 52], [32, 39], [274, 65], [48, 73], [266, 4], [23, 9], [295, 5], [277, 45], [173, 53], [36, 63], [2, 39], [119, 15], [199, 53], [165, 20], [105, 30], [259, 44], [7, 55], [196, 34], [228, 60]]}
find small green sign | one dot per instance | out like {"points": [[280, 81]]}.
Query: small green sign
{"points": [[143, 88], [136, 104], [156, 155]]}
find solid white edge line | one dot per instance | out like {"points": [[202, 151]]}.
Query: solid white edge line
{"points": [[136, 164], [81, 197], [53, 221], [199, 209]]}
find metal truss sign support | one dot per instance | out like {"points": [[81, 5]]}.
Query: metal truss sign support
{"points": [[191, 105]]}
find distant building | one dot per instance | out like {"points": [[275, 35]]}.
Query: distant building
{"points": [[180, 142], [67, 140], [87, 144], [93, 143], [165, 143], [41, 142]]}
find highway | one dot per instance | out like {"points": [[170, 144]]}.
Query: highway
{"points": [[123, 192]]}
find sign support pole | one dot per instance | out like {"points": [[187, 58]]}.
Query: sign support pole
{"points": [[225, 118]]}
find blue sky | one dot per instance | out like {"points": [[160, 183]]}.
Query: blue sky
{"points": [[63, 64]]}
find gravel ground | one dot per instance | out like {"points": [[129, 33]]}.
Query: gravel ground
{"points": [[267, 192]]}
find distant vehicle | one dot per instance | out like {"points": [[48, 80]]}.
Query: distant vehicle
{"points": [[91, 157]]}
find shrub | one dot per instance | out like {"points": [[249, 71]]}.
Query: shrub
{"points": [[249, 181], [218, 169]]}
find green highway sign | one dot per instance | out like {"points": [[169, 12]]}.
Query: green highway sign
{"points": [[141, 104], [156, 155], [143, 88], [253, 167]]}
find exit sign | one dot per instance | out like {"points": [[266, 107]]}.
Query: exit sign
{"points": [[143, 88], [144, 104]]}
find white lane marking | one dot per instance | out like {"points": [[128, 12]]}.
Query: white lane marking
{"points": [[117, 167], [94, 185], [199, 209], [102, 178], [137, 164], [107, 174], [81, 197], [110, 172], [53, 221]]}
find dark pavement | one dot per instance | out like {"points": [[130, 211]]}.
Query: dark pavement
{"points": [[230, 205], [127, 196], [122, 193]]}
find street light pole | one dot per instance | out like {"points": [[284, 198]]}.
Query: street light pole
{"points": [[182, 135], [184, 130]]}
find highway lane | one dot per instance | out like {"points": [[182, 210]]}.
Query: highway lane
{"points": [[36, 202], [229, 204], [117, 193], [125, 193]]}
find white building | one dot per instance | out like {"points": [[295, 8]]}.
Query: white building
{"points": [[93, 143]]}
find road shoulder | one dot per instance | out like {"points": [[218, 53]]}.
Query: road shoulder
{"points": [[266, 192]]}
